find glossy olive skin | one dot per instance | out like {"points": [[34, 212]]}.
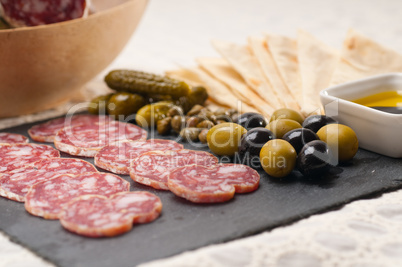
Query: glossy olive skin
{"points": [[250, 120], [314, 159], [341, 139], [282, 126], [278, 158], [123, 104], [150, 114], [98, 104], [299, 137], [316, 122], [224, 139], [287, 113], [251, 144]]}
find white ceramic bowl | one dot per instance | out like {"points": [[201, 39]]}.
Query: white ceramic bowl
{"points": [[377, 131]]}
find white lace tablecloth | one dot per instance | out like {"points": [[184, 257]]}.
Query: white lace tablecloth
{"points": [[365, 233]]}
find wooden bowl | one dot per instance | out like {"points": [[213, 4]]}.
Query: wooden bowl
{"points": [[42, 66]]}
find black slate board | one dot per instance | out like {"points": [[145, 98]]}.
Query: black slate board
{"points": [[185, 226]]}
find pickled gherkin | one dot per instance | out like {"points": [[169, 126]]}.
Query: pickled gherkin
{"points": [[146, 83]]}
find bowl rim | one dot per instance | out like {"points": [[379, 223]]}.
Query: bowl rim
{"points": [[326, 93], [72, 21]]}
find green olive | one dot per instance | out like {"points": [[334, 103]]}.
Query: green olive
{"points": [[278, 158], [98, 104], [287, 113], [123, 104], [341, 139], [224, 139], [150, 114], [282, 126]]}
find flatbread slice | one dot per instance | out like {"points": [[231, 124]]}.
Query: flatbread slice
{"points": [[220, 93], [317, 63], [362, 57], [186, 75], [284, 52], [221, 70], [245, 63], [261, 51]]}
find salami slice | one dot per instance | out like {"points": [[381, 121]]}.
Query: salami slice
{"points": [[15, 156], [45, 199], [97, 216], [153, 168], [87, 140], [117, 157], [12, 138], [20, 13], [45, 132], [15, 185], [216, 183]]}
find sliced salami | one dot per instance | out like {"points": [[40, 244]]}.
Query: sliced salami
{"points": [[45, 132], [14, 185], [87, 140], [117, 157], [20, 13], [216, 183], [45, 199], [12, 138], [97, 216], [15, 156], [153, 168]]}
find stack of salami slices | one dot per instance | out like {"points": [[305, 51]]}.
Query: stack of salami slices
{"points": [[93, 203], [58, 188]]}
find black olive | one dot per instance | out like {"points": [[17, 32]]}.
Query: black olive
{"points": [[251, 120], [314, 159], [251, 144], [299, 137], [315, 122]]}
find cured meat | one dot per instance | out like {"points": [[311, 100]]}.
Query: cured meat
{"points": [[97, 216], [117, 157], [45, 132], [45, 199], [20, 13], [153, 168], [87, 140], [11, 138], [14, 185], [216, 183], [15, 156]]}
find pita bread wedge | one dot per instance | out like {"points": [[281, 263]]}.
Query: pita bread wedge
{"points": [[220, 93], [317, 63], [260, 50], [362, 57], [185, 75], [284, 52], [221, 70], [245, 63]]}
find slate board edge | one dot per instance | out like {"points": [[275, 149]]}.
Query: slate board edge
{"points": [[371, 195]]}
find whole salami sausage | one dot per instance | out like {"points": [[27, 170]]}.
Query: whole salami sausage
{"points": [[87, 140], [153, 168], [14, 185], [217, 183], [12, 138], [20, 13], [45, 132], [46, 199], [116, 157], [15, 156], [97, 216]]}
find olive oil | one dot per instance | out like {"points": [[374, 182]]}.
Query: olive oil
{"points": [[383, 99]]}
